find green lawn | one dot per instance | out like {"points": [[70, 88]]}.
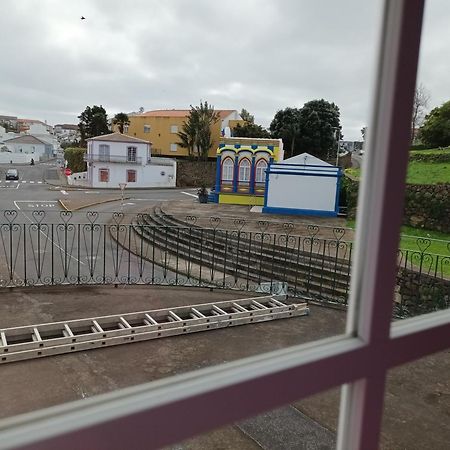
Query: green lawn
{"points": [[432, 151], [420, 173], [437, 245]]}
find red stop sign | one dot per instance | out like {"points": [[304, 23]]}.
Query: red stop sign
{"points": [[68, 172]]}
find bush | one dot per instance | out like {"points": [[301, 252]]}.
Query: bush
{"points": [[419, 147], [74, 157]]}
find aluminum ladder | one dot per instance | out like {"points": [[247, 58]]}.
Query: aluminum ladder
{"points": [[36, 341]]}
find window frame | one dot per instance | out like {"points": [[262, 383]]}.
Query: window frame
{"points": [[225, 164], [131, 148], [171, 147], [104, 170], [259, 163], [147, 128], [359, 359], [130, 171], [244, 169]]}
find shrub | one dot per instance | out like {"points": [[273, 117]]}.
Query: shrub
{"points": [[74, 157]]}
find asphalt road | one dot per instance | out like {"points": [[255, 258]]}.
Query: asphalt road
{"points": [[53, 252]]}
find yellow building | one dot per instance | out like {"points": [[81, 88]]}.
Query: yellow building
{"points": [[160, 127], [241, 172]]}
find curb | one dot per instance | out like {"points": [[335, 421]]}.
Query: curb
{"points": [[61, 202]]}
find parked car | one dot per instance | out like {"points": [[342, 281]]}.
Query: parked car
{"points": [[12, 174]]}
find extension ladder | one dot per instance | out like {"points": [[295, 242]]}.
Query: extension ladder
{"points": [[35, 341]]}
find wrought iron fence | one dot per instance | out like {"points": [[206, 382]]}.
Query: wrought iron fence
{"points": [[157, 248]]}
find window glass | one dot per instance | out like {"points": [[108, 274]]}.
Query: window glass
{"points": [[131, 154], [174, 128], [131, 176], [103, 175], [146, 128], [228, 170], [173, 147], [244, 170], [261, 167]]}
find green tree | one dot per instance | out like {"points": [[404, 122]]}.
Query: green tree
{"points": [[286, 125], [250, 130], [121, 119], [312, 129], [245, 115], [196, 131], [364, 133], [319, 125], [435, 131], [93, 122], [75, 159]]}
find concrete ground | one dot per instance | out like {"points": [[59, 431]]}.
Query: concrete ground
{"points": [[417, 412]]}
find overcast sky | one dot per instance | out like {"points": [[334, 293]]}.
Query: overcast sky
{"points": [[262, 55]]}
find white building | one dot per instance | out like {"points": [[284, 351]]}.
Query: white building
{"points": [[116, 158], [67, 132], [23, 148], [304, 185]]}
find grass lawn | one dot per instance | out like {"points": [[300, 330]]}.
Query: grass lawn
{"points": [[408, 241], [433, 151], [420, 173]]}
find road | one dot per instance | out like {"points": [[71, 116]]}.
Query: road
{"points": [[53, 251]]}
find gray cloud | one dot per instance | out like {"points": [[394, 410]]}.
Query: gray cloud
{"points": [[263, 55]]}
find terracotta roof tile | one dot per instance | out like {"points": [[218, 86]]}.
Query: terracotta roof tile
{"points": [[182, 113]]}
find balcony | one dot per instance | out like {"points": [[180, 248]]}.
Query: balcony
{"points": [[112, 159]]}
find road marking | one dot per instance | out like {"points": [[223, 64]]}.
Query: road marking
{"points": [[32, 182], [8, 181], [39, 182], [23, 181], [64, 192], [46, 235], [16, 181], [188, 193]]}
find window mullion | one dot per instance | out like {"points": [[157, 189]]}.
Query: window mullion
{"points": [[380, 213]]}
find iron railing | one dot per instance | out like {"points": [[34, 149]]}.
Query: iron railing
{"points": [[156, 248], [112, 158]]}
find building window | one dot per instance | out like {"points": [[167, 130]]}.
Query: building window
{"points": [[173, 147], [260, 175], [244, 170], [174, 129], [103, 152], [125, 128], [227, 169], [131, 154], [103, 175], [146, 128], [131, 176]]}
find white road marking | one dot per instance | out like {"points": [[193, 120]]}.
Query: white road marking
{"points": [[46, 235], [39, 182], [16, 181], [23, 181], [188, 193], [8, 181], [64, 192], [32, 182]]}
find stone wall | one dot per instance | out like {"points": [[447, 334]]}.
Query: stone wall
{"points": [[419, 293], [196, 173], [426, 206]]}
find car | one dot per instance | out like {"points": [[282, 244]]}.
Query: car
{"points": [[12, 174]]}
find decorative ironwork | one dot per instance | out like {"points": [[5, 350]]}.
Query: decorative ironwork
{"points": [[213, 252]]}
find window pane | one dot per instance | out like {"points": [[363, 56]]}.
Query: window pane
{"points": [[417, 401], [310, 423], [424, 249]]}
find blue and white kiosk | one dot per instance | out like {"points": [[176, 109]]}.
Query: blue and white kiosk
{"points": [[303, 185]]}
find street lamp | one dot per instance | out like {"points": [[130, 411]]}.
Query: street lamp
{"points": [[337, 135], [122, 189]]}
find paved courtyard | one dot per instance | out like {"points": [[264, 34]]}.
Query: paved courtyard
{"points": [[418, 395]]}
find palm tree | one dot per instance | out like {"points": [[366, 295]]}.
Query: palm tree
{"points": [[121, 119]]}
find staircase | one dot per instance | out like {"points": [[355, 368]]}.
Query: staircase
{"points": [[249, 257]]}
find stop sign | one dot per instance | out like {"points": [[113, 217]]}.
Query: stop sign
{"points": [[68, 172]]}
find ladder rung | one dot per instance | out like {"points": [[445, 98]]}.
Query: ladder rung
{"points": [[34, 341]]}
